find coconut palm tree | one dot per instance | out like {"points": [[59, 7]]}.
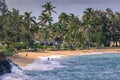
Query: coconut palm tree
{"points": [[44, 29], [63, 21], [47, 13], [63, 18], [48, 8], [28, 20], [72, 30], [29, 24], [88, 23], [3, 7]]}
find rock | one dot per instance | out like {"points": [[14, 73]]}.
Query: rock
{"points": [[5, 66]]}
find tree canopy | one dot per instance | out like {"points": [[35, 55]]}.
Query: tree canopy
{"points": [[96, 28]]}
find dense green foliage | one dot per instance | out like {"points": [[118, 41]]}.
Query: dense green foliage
{"points": [[96, 28]]}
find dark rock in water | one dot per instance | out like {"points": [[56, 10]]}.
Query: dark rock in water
{"points": [[5, 66]]}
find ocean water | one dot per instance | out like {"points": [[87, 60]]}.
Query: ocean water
{"points": [[83, 67]]}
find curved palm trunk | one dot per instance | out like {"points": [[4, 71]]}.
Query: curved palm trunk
{"points": [[53, 44], [46, 39]]}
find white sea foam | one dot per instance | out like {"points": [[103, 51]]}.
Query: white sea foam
{"points": [[45, 63], [94, 53], [16, 74], [51, 57]]}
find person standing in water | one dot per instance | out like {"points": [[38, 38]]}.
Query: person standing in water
{"points": [[48, 58]]}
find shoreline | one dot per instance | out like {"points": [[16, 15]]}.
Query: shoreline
{"points": [[24, 58]]}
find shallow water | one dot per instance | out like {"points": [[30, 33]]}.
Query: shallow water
{"points": [[84, 67]]}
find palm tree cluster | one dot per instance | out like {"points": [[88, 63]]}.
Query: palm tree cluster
{"points": [[96, 28], [102, 27]]}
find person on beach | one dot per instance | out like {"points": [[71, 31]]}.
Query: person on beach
{"points": [[26, 55], [48, 58]]}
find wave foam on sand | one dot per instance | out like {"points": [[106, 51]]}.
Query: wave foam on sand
{"points": [[44, 63]]}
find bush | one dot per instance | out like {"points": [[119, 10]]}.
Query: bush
{"points": [[25, 45], [64, 46], [8, 52], [37, 45], [3, 47], [21, 45]]}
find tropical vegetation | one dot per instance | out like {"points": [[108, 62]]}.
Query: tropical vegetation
{"points": [[96, 28]]}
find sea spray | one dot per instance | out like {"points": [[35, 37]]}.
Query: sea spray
{"points": [[43, 63], [16, 73]]}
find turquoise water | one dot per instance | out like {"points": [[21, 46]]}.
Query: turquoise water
{"points": [[84, 67]]}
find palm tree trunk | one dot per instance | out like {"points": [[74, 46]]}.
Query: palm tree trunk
{"points": [[46, 39], [53, 44], [116, 44]]}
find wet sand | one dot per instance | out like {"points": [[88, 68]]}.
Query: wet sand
{"points": [[24, 58]]}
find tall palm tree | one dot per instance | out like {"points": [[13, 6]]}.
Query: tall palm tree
{"points": [[117, 27], [63, 18], [110, 24], [44, 29], [47, 13], [44, 20], [28, 24], [72, 30], [114, 28], [48, 8], [63, 21], [88, 22], [28, 20], [3, 7]]}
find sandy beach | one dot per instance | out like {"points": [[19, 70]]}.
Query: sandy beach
{"points": [[24, 58]]}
